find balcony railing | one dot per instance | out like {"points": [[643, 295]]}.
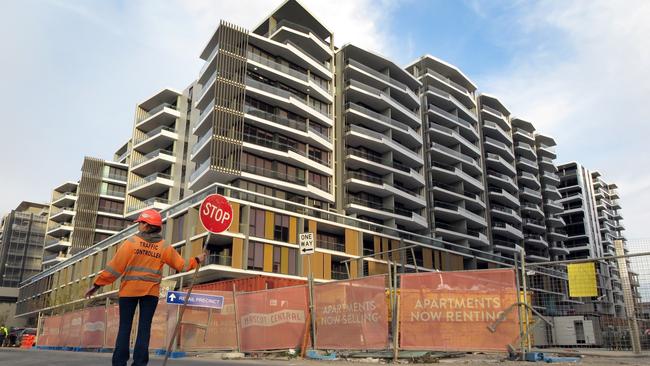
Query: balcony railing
{"points": [[294, 26], [274, 174], [447, 80], [453, 207], [202, 140], [209, 108], [453, 132], [379, 116], [377, 159], [150, 178], [151, 155], [222, 260], [504, 209], [527, 175], [523, 132], [276, 145], [286, 94], [381, 93], [501, 176], [455, 153], [493, 111], [378, 206], [531, 192], [292, 123], [452, 117], [201, 168], [153, 133], [453, 189], [351, 174], [147, 203], [277, 66], [376, 73], [527, 161]]}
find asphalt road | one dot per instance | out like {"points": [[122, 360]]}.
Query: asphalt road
{"points": [[20, 357]]}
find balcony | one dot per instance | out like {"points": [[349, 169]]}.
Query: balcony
{"points": [[155, 161], [446, 100], [360, 159], [553, 207], [525, 150], [493, 112], [361, 136], [502, 197], [57, 244], [554, 221], [66, 199], [65, 214], [527, 165], [559, 250], [546, 164], [533, 210], [449, 175], [447, 155], [501, 180], [506, 230], [496, 132], [476, 238], [407, 218], [402, 132], [297, 129], [550, 178], [204, 122], [449, 193], [535, 240], [291, 101], [443, 117], [546, 150], [498, 147], [522, 135], [529, 180], [460, 92], [156, 203], [551, 193], [499, 164], [307, 39], [534, 225], [158, 138], [530, 194], [503, 246], [409, 97], [151, 186], [163, 115], [60, 230], [360, 182], [207, 89], [504, 213], [453, 212], [287, 153], [558, 234], [381, 100], [50, 260]]}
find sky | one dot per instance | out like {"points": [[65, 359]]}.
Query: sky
{"points": [[72, 72]]}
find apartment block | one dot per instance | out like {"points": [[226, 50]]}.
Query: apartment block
{"points": [[454, 170], [85, 212], [589, 205], [381, 162], [21, 243], [500, 176], [157, 152]]}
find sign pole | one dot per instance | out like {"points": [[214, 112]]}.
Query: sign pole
{"points": [[311, 301], [216, 215]]}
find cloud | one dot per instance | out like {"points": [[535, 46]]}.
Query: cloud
{"points": [[580, 71]]}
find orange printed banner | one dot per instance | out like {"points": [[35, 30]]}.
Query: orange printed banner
{"points": [[352, 314], [455, 310], [51, 331], [112, 325], [73, 338], [221, 333], [272, 319], [94, 326]]}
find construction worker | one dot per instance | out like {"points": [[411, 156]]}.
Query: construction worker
{"points": [[139, 262], [4, 332]]}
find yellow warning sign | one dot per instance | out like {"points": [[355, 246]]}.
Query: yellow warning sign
{"points": [[582, 280]]}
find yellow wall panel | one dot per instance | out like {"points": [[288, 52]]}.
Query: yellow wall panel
{"points": [[394, 244], [293, 230], [268, 258], [327, 266], [377, 243], [351, 241], [269, 224], [427, 258], [237, 253], [313, 226], [234, 228], [196, 247], [317, 265]]}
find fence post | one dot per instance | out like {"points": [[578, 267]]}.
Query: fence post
{"points": [[627, 297], [521, 326], [395, 320], [234, 301], [525, 300]]}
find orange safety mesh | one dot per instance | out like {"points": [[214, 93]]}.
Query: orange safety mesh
{"points": [[50, 335], [221, 333], [73, 338], [159, 328], [272, 319], [94, 326], [452, 310], [64, 331], [352, 314], [112, 325]]}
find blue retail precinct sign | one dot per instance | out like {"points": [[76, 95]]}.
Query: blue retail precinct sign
{"points": [[196, 300]]}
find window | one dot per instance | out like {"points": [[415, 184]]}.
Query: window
{"points": [[178, 232], [99, 237], [111, 206], [111, 172], [109, 223], [281, 228], [113, 189], [319, 181], [257, 222], [293, 254], [256, 256]]}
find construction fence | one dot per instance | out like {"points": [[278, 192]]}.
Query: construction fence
{"points": [[595, 303], [468, 310]]}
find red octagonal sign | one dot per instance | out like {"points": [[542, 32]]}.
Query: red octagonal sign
{"points": [[215, 213]]}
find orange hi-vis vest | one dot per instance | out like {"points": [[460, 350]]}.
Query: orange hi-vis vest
{"points": [[140, 264]]}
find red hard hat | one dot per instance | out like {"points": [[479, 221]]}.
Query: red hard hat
{"points": [[151, 217]]}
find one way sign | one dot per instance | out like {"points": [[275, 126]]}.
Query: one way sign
{"points": [[306, 243]]}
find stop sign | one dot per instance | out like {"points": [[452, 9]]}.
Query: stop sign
{"points": [[215, 213]]}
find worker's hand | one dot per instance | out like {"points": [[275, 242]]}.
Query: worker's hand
{"points": [[201, 257], [91, 291]]}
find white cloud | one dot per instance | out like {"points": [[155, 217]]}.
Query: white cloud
{"points": [[580, 71]]}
